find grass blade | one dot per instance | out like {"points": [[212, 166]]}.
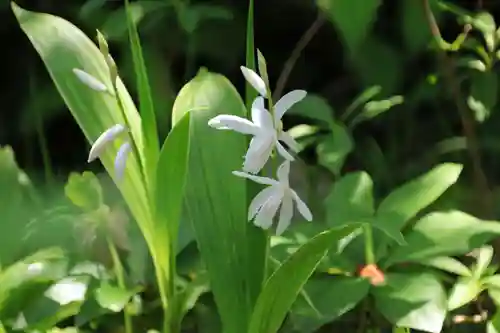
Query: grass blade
{"points": [[146, 104], [250, 93]]}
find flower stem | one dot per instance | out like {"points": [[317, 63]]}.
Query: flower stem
{"points": [[120, 277], [368, 236]]}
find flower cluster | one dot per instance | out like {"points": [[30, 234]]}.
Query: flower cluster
{"points": [[267, 131]]}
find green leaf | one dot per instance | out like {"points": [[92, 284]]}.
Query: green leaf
{"points": [[375, 108], [361, 99], [333, 150], [171, 174], [354, 25], [331, 297], [447, 264], [112, 298], [28, 278], [84, 190], [444, 233], [464, 291], [216, 200], [406, 201], [313, 107], [147, 108], [62, 47], [483, 261], [351, 200], [483, 94], [282, 288], [484, 22], [416, 301], [387, 73]]}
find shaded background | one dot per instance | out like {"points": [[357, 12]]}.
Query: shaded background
{"points": [[394, 55]]}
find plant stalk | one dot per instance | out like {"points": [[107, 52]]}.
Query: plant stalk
{"points": [[120, 277]]}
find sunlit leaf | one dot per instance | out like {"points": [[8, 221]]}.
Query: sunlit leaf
{"points": [[216, 200], [84, 190], [464, 290], [416, 301], [283, 286], [444, 233], [351, 200]]}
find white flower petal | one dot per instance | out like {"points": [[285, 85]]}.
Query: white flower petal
{"points": [[290, 142], [121, 160], [258, 153], [283, 152], [286, 213], [104, 140], [301, 206], [255, 80], [283, 173], [257, 179], [89, 80], [264, 218], [261, 116], [287, 101], [259, 200], [235, 123]]}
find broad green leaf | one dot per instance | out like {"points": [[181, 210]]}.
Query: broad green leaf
{"points": [[444, 233], [464, 291], [313, 107], [112, 298], [283, 286], [406, 201], [169, 184], [415, 301], [331, 297], [485, 22], [447, 264], [351, 200], [333, 150], [354, 25], [63, 47], [216, 200], [483, 94], [147, 108], [84, 190]]}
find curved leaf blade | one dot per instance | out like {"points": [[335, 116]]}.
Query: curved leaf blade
{"points": [[281, 289]]}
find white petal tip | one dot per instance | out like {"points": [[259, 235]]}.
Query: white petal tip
{"points": [[89, 80]]}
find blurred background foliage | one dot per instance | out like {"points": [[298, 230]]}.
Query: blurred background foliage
{"points": [[353, 50]]}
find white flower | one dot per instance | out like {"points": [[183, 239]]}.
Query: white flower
{"points": [[255, 80], [89, 80], [105, 140], [265, 204], [267, 131]]}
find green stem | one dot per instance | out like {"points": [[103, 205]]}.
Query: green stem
{"points": [[47, 165], [368, 236], [2, 328], [120, 276]]}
